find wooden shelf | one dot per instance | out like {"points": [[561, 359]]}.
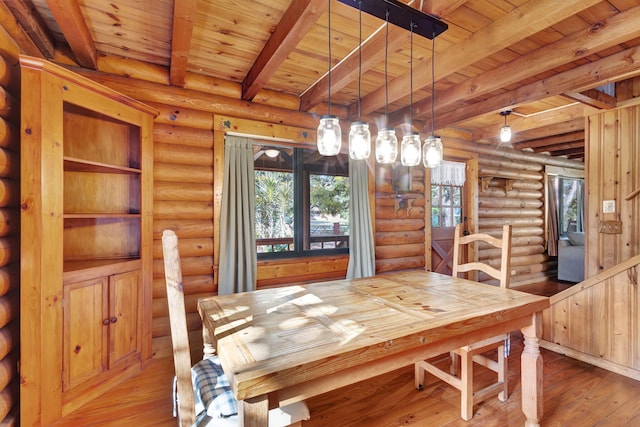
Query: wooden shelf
{"points": [[101, 215], [73, 164], [486, 179]]}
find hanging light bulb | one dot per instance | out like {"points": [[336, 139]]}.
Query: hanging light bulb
{"points": [[329, 133], [505, 131], [387, 142], [410, 148], [433, 149], [359, 136]]}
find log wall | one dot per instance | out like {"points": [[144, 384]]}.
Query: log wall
{"points": [[9, 230]]}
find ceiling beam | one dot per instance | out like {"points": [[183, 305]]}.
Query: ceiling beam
{"points": [[519, 125], [294, 25], [10, 23], [594, 98], [566, 138], [184, 12], [373, 50], [520, 23], [30, 20], [68, 15], [599, 36], [592, 74]]}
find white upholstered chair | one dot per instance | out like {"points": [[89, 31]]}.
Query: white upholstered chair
{"points": [[462, 379], [203, 395]]}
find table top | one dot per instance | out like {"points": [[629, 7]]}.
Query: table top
{"points": [[275, 338]]}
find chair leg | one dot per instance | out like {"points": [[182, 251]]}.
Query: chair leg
{"points": [[503, 374], [454, 369], [419, 376], [466, 387]]}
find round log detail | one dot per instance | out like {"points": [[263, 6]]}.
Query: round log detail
{"points": [[398, 264], [503, 163], [182, 116], [509, 213], [187, 247], [400, 251], [202, 284], [178, 191], [509, 202], [494, 222], [191, 266], [401, 224], [182, 173], [184, 229], [399, 237], [185, 136], [182, 210], [183, 155]]}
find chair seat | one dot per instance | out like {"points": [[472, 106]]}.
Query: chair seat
{"points": [[217, 406]]}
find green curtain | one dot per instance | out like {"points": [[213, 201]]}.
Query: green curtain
{"points": [[238, 260], [362, 259]]}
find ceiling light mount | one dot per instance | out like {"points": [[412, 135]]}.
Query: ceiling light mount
{"points": [[402, 15]]}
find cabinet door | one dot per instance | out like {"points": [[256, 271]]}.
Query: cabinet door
{"points": [[85, 331], [124, 297]]}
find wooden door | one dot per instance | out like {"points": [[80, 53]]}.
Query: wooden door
{"points": [[124, 291], [85, 331], [447, 209]]}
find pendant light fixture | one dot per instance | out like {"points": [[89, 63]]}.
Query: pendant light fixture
{"points": [[387, 142], [505, 131], [433, 150], [329, 134], [359, 136], [410, 148]]}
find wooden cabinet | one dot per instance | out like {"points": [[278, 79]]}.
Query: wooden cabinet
{"points": [[86, 261]]}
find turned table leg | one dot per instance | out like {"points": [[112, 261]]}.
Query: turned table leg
{"points": [[531, 374]]}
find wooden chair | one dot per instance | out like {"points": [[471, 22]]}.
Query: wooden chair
{"points": [[472, 353], [203, 394]]}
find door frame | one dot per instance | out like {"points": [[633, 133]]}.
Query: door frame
{"points": [[470, 202]]}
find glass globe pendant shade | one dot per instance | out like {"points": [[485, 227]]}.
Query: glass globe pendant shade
{"points": [[432, 152], [329, 136], [410, 150], [505, 133], [386, 146], [359, 141]]}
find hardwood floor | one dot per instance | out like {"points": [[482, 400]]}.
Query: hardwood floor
{"points": [[575, 394]]}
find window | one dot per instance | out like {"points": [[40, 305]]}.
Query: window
{"points": [[570, 205], [302, 202], [446, 205]]}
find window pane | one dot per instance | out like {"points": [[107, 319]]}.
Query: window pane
{"points": [[446, 205], [435, 195], [435, 217], [447, 217], [329, 208], [446, 196], [457, 196], [274, 211]]}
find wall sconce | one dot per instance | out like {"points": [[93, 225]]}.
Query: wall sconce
{"points": [[505, 131], [329, 133]]}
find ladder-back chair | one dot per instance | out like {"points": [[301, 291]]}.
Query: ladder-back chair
{"points": [[203, 395], [473, 353]]}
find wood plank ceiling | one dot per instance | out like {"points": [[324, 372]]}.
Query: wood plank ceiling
{"points": [[546, 60]]}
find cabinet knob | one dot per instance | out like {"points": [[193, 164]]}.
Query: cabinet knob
{"points": [[114, 319], [105, 322]]}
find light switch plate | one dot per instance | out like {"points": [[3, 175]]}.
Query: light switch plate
{"points": [[608, 206]]}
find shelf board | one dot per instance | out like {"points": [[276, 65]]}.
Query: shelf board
{"points": [[73, 164], [74, 271], [101, 215]]}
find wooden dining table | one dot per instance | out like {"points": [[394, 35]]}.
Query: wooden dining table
{"points": [[282, 345]]}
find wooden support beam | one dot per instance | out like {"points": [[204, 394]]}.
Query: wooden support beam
{"points": [[32, 24], [593, 98], [184, 12], [520, 23], [591, 74], [68, 15], [294, 25]]}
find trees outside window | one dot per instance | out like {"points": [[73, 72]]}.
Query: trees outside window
{"points": [[302, 202]]}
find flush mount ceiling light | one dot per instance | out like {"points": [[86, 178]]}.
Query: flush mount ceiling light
{"points": [[359, 136], [329, 133], [505, 131], [272, 152]]}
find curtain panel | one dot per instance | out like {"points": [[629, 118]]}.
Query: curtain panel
{"points": [[362, 258]]}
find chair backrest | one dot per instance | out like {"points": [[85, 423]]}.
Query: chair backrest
{"points": [[503, 274], [179, 330]]}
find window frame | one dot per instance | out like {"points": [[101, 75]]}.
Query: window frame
{"points": [[302, 211]]}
